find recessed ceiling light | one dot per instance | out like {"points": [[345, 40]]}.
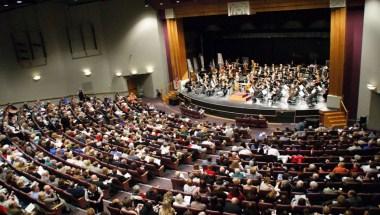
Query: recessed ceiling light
{"points": [[161, 3], [178, 1], [5, 5], [18, 2]]}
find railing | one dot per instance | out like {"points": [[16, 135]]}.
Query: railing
{"points": [[344, 109]]}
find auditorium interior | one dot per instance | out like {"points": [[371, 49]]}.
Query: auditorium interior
{"points": [[196, 107]]}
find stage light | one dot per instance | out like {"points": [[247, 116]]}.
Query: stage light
{"points": [[87, 72], [134, 71], [36, 77], [150, 69], [118, 73], [371, 87]]}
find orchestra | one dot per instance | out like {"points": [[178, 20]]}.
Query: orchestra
{"points": [[263, 83]]}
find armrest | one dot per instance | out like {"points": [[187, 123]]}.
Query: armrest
{"points": [[82, 203], [144, 177], [161, 170], [189, 159], [125, 184]]}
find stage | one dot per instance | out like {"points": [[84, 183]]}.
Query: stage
{"points": [[280, 112]]}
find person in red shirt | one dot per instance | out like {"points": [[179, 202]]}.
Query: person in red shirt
{"points": [[340, 169], [209, 171]]}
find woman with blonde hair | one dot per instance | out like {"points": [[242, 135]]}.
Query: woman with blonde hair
{"points": [[166, 209]]}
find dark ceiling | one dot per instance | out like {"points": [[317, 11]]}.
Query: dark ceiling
{"points": [[7, 5]]}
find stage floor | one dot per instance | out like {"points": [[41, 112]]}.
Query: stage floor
{"points": [[281, 105]]}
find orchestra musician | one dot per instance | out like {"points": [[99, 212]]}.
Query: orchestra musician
{"points": [[264, 83]]}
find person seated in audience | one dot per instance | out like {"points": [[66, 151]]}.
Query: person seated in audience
{"points": [[254, 174], [340, 169], [266, 185], [179, 202], [353, 200], [127, 207], [235, 192], [153, 194], [34, 191], [233, 206], [299, 188], [189, 187], [94, 196], [300, 200], [202, 190], [271, 197], [237, 174], [197, 204], [313, 187]]}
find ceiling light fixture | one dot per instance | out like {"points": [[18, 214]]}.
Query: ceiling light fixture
{"points": [[161, 3], [5, 5], [178, 1], [18, 2]]}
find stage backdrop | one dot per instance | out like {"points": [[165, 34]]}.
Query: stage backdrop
{"points": [[277, 37]]}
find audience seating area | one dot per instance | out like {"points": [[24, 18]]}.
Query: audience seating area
{"points": [[85, 150], [251, 122]]}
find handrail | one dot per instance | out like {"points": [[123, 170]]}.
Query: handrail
{"points": [[344, 108]]}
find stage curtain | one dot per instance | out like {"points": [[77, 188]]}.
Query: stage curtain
{"points": [[177, 49], [337, 50], [191, 9], [354, 35]]}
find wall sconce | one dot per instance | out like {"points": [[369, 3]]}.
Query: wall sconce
{"points": [[118, 73], [371, 87], [87, 72], [134, 71], [150, 69], [36, 77]]}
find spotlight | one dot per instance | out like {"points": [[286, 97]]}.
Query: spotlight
{"points": [[5, 5], [178, 1], [161, 3], [18, 2]]}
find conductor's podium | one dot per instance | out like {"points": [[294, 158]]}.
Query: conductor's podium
{"points": [[239, 97]]}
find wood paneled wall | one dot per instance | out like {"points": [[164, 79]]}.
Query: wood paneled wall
{"points": [[176, 44], [191, 9], [337, 50]]}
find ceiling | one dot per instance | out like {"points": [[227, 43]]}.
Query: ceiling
{"points": [[7, 5]]}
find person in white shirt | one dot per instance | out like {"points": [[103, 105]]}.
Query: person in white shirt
{"points": [[189, 187]]}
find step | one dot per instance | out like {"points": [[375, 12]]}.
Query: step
{"points": [[334, 113], [336, 117], [338, 125], [337, 121]]}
